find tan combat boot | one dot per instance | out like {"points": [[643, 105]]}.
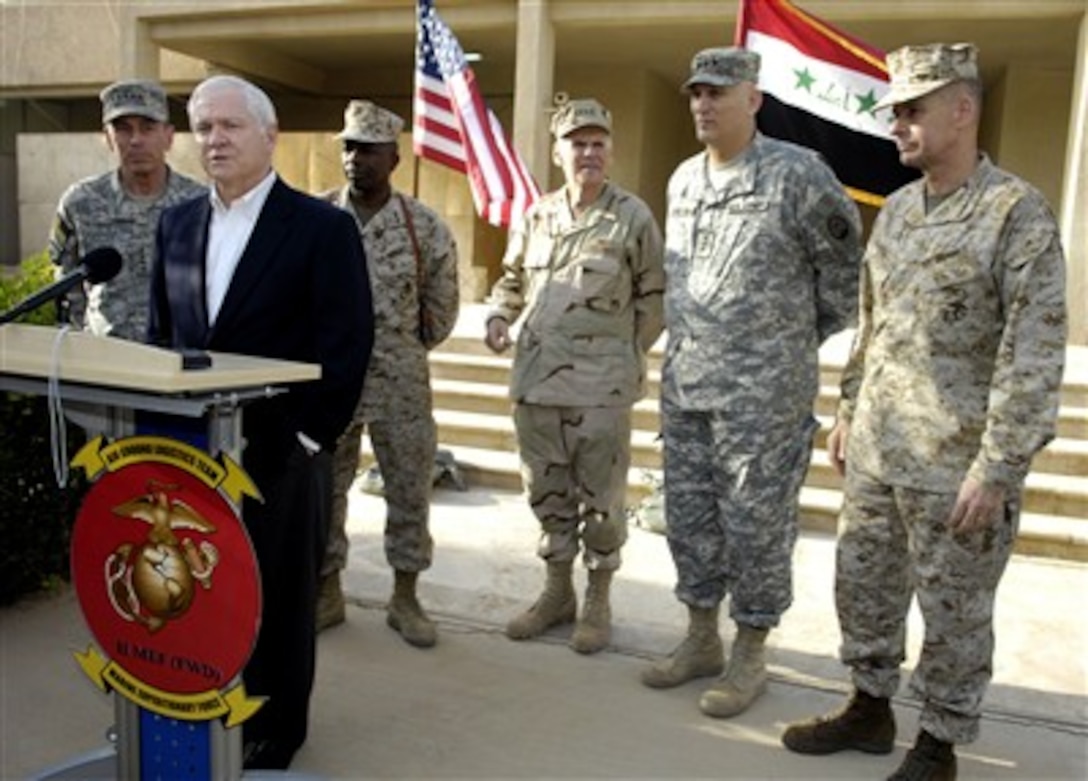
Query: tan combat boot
{"points": [[700, 655], [556, 605], [745, 678], [405, 615], [330, 602], [594, 629]]}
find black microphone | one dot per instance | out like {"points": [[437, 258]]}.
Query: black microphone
{"points": [[98, 265]]}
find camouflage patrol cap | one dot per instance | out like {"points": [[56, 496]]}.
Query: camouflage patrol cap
{"points": [[919, 70], [723, 67], [137, 98], [367, 123], [581, 112]]}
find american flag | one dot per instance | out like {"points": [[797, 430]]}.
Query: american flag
{"points": [[454, 127]]}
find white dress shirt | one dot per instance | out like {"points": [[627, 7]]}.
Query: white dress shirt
{"points": [[231, 226]]}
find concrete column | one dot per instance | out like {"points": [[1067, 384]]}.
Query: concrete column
{"points": [[139, 53], [534, 77], [1074, 216]]}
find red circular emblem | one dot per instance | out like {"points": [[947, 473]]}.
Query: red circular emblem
{"points": [[166, 578]]}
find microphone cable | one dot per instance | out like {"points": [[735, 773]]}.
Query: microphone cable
{"points": [[58, 428]]}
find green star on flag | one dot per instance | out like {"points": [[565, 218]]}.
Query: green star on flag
{"points": [[805, 80], [866, 102]]}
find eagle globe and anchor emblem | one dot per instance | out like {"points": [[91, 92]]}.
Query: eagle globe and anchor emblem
{"points": [[154, 581]]}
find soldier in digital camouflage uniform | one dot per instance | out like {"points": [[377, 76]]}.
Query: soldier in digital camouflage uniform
{"points": [[584, 270], [121, 209], [951, 388], [761, 261], [412, 260]]}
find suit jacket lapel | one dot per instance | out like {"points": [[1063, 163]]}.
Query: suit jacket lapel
{"points": [[268, 236], [193, 222]]}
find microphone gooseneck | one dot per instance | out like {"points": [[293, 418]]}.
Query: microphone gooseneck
{"points": [[97, 266]]}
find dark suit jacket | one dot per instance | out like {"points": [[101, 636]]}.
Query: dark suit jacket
{"points": [[300, 292]]}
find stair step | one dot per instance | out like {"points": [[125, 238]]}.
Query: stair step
{"points": [[490, 369], [1074, 393], [1073, 422], [1058, 494], [489, 376], [473, 429], [1050, 494], [1041, 534], [1063, 456], [490, 399]]}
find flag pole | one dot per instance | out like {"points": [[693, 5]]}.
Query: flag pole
{"points": [[742, 23]]}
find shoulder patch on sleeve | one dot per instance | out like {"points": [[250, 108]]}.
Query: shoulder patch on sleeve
{"points": [[838, 227]]}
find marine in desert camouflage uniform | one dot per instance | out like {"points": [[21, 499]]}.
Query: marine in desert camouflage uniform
{"points": [[412, 261], [951, 388], [762, 257], [121, 209], [584, 272]]}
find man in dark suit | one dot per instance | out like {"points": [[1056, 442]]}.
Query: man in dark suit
{"points": [[258, 268]]}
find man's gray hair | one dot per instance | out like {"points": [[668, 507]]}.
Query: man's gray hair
{"points": [[257, 101]]}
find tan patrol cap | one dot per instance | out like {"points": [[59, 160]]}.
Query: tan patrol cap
{"points": [[919, 70], [581, 112], [723, 67], [137, 98], [367, 123]]}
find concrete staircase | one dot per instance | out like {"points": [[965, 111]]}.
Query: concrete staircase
{"points": [[472, 409]]}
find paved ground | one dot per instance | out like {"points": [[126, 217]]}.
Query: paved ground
{"points": [[481, 706]]}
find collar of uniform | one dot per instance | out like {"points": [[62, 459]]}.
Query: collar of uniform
{"points": [[596, 203], [598, 210], [745, 181], [959, 206], [121, 194]]}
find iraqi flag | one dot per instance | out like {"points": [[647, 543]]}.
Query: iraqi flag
{"points": [[819, 88]]}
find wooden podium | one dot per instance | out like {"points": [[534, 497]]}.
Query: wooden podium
{"points": [[134, 388]]}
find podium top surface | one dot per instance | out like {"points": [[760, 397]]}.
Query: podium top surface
{"points": [[28, 350]]}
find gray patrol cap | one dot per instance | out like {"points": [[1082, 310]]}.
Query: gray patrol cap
{"points": [[723, 67], [137, 98], [368, 123], [578, 113], [919, 70]]}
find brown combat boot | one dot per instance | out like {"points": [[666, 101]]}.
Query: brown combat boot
{"points": [[556, 605], [699, 655], [745, 678], [930, 760], [865, 723], [330, 602], [405, 615], [593, 631]]}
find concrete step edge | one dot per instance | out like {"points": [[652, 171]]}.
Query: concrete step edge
{"points": [[1072, 440], [1040, 534], [1071, 479], [482, 374]]}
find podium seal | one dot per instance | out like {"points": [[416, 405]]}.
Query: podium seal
{"points": [[166, 577]]}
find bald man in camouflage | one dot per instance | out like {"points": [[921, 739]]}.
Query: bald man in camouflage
{"points": [[951, 388], [762, 257], [584, 271], [412, 261]]}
